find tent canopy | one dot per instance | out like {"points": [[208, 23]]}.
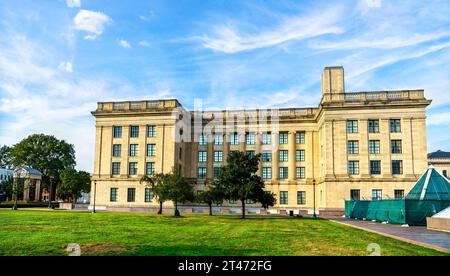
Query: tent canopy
{"points": [[431, 186]]}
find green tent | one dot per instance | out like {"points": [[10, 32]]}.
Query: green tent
{"points": [[431, 186]]}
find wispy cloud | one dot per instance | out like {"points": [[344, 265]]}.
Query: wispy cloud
{"points": [[73, 3], [66, 66], [92, 22], [124, 44], [144, 43]]}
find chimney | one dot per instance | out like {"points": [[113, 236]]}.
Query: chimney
{"points": [[333, 80]]}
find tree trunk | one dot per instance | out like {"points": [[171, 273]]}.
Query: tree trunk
{"points": [[160, 208], [177, 213], [210, 209], [243, 208]]}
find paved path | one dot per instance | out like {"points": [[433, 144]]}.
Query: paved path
{"points": [[415, 234]]}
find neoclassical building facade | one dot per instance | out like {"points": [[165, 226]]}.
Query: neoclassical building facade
{"points": [[365, 145]]}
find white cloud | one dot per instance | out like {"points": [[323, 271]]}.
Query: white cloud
{"points": [[73, 3], [144, 43], [66, 66], [92, 22], [124, 44], [441, 118]]}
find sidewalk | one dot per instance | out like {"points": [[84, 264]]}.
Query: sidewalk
{"points": [[419, 235]]}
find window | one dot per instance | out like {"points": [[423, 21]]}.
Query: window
{"points": [[395, 125], [355, 194], [202, 156], [300, 172], [353, 147], [267, 156], [117, 149], [250, 153], [234, 139], [131, 194], [113, 195], [399, 194], [375, 167], [300, 155], [376, 195], [218, 139], [250, 139], [374, 146], [301, 198], [352, 126], [283, 156], [283, 172], [374, 126], [149, 168], [201, 173], [151, 149], [396, 146], [444, 172], [151, 131], [132, 168], [148, 195], [218, 156], [283, 139], [217, 171], [115, 168], [353, 167], [267, 173], [300, 137], [134, 150], [267, 139], [397, 167], [134, 131], [202, 141], [283, 198], [117, 131]]}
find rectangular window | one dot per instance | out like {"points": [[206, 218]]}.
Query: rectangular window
{"points": [[202, 141], [444, 173], [399, 194], [251, 153], [250, 139], [300, 155], [201, 173], [353, 167], [113, 195], [267, 139], [374, 126], [300, 172], [283, 138], [397, 167], [374, 147], [134, 131], [283, 172], [115, 168], [117, 131], [151, 131], [149, 168], [283, 156], [217, 171], [352, 126], [132, 168], [131, 197], [283, 197], [396, 146], [353, 147], [300, 137], [267, 173], [117, 150], [151, 149], [148, 195], [267, 156], [134, 150], [377, 194], [355, 194], [202, 156], [301, 198], [218, 139], [395, 125], [234, 139], [218, 156], [375, 167]]}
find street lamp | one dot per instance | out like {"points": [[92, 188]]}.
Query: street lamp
{"points": [[95, 194], [314, 198]]}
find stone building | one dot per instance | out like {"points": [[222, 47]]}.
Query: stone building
{"points": [[352, 145], [31, 185], [441, 161]]}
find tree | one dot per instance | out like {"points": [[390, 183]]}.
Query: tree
{"points": [[158, 184], [46, 154], [179, 190], [14, 187], [214, 195], [73, 183], [238, 180], [5, 157]]}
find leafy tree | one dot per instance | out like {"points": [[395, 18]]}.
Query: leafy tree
{"points": [[5, 157], [159, 185], [214, 195], [14, 187], [73, 183], [179, 190], [238, 180], [46, 154]]}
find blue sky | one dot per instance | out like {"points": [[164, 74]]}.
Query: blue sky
{"points": [[59, 57]]}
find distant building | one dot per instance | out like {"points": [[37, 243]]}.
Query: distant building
{"points": [[32, 184], [441, 161], [5, 174]]}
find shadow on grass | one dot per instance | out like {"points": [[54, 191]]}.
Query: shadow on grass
{"points": [[188, 250], [267, 217]]}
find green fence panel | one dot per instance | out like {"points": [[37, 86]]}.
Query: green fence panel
{"points": [[392, 211], [417, 211]]}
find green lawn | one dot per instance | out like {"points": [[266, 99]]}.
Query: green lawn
{"points": [[48, 232]]}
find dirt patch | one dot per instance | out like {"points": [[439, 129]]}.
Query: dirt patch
{"points": [[102, 249]]}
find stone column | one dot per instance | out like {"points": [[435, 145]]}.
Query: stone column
{"points": [[291, 156], [26, 190], [37, 197], [258, 138], [275, 156]]}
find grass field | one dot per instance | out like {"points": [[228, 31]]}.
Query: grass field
{"points": [[48, 232]]}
